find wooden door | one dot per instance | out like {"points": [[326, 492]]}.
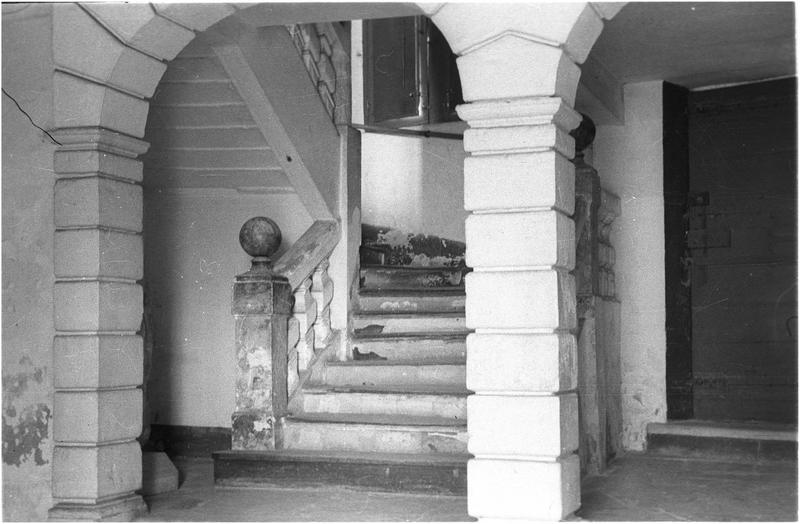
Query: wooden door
{"points": [[743, 245]]}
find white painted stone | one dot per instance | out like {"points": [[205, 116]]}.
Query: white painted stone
{"points": [[520, 299], [80, 103], [98, 253], [139, 27], [97, 361], [529, 238], [98, 201], [517, 68], [519, 139], [83, 46], [91, 163], [469, 25], [521, 489], [97, 306], [453, 406], [86, 474], [543, 426], [197, 17], [583, 34], [97, 416], [514, 362], [544, 179], [608, 10]]}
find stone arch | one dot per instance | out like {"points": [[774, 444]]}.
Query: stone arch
{"points": [[519, 75]]}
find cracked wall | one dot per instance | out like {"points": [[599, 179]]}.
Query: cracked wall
{"points": [[27, 301]]}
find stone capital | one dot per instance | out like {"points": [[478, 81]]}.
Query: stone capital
{"points": [[99, 139]]}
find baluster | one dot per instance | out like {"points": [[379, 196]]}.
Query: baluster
{"points": [[305, 311], [322, 290]]}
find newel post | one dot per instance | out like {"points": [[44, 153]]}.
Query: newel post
{"points": [[262, 304]]}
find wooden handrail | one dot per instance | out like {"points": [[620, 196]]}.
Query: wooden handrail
{"points": [[310, 250]]}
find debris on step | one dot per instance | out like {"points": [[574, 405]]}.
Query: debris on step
{"points": [[357, 355]]}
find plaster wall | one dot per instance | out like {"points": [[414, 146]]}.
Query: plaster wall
{"points": [[414, 184], [192, 255], [27, 262], [629, 159]]}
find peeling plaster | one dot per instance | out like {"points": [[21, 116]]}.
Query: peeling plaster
{"points": [[24, 430]]}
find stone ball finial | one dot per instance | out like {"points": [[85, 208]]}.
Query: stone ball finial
{"points": [[583, 134], [260, 237]]}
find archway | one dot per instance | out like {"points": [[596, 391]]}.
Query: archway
{"points": [[519, 76]]}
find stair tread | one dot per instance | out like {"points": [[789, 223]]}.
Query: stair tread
{"points": [[390, 314], [312, 455], [414, 335], [414, 389], [413, 291], [370, 363], [413, 268], [388, 420]]}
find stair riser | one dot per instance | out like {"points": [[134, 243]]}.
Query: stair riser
{"points": [[395, 375], [378, 278], [412, 304], [410, 350], [350, 437], [377, 324], [447, 406], [232, 470]]}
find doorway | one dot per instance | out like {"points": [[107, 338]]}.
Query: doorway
{"points": [[731, 265]]}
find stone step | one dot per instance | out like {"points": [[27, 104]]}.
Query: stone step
{"points": [[411, 277], [442, 300], [745, 442], [341, 432], [446, 402], [377, 324], [414, 347], [384, 472], [393, 373]]}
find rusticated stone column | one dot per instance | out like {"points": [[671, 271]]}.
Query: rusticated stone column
{"points": [[262, 304], [97, 353]]}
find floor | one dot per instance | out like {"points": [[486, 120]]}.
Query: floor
{"points": [[634, 488]]}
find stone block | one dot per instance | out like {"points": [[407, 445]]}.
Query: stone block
{"points": [[530, 425], [81, 103], [520, 300], [98, 253], [138, 26], [522, 239], [469, 25], [526, 180], [97, 361], [97, 306], [83, 46], [197, 17], [159, 474], [87, 474], [508, 62], [97, 416], [91, 163], [519, 139], [522, 489], [98, 201], [517, 362]]}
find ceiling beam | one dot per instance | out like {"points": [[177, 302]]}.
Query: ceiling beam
{"points": [[267, 119]]}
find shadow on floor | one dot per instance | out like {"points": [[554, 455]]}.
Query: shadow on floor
{"points": [[634, 488]]}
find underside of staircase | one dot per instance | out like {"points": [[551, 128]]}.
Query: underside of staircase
{"points": [[393, 416]]}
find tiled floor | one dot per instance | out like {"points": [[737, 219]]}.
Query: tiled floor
{"points": [[634, 488]]}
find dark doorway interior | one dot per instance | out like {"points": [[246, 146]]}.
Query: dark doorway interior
{"points": [[731, 243]]}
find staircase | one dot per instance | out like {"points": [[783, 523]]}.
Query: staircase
{"points": [[393, 418]]}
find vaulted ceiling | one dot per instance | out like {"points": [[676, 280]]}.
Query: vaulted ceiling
{"points": [[692, 44]]}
